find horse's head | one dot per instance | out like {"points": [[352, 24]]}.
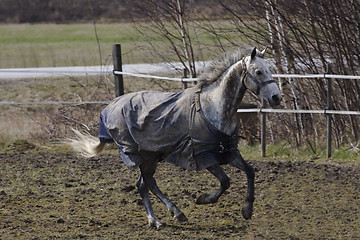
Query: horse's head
{"points": [[259, 78]]}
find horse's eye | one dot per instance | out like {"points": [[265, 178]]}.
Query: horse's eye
{"points": [[258, 72]]}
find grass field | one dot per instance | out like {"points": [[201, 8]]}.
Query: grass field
{"points": [[46, 45], [50, 45]]}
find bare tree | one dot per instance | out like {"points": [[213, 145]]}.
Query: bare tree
{"points": [[171, 21]]}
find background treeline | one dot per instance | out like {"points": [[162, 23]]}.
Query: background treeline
{"points": [[38, 11], [35, 11]]}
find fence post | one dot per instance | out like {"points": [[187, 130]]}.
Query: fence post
{"points": [[185, 75], [328, 116], [263, 130], [119, 83]]}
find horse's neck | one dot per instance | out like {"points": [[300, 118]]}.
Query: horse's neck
{"points": [[221, 99]]}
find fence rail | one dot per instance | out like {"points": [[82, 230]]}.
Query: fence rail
{"points": [[55, 103], [155, 77], [324, 111], [324, 75], [259, 110]]}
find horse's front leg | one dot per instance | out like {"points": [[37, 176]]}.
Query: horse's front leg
{"points": [[240, 163], [213, 197]]}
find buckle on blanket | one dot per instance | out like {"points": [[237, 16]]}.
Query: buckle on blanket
{"points": [[222, 149]]}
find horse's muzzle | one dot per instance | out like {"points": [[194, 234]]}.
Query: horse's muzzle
{"points": [[275, 100]]}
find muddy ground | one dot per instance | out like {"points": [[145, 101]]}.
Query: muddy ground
{"points": [[47, 196]]}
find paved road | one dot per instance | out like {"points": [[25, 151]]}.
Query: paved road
{"points": [[21, 73]]}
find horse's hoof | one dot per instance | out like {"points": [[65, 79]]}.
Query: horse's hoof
{"points": [[156, 224], [204, 199], [181, 218], [247, 212]]}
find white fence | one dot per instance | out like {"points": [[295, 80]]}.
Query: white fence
{"points": [[70, 71]]}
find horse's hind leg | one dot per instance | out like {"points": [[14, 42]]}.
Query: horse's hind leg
{"points": [[144, 193], [148, 169], [240, 163], [213, 197]]}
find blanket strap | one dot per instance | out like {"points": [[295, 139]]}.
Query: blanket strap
{"points": [[197, 98]]}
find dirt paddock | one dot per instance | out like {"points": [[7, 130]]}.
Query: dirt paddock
{"points": [[47, 196]]}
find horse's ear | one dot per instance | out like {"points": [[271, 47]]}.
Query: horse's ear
{"points": [[253, 53], [262, 53]]}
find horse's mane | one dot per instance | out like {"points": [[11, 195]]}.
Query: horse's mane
{"points": [[217, 67]]}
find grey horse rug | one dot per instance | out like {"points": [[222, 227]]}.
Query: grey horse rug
{"points": [[169, 125]]}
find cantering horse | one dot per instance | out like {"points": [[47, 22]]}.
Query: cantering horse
{"points": [[194, 129]]}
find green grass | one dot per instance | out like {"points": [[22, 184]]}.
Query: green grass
{"points": [[283, 151], [50, 45], [45, 45]]}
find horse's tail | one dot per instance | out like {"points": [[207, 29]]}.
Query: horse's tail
{"points": [[85, 145]]}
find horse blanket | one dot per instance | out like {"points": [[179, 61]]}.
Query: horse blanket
{"points": [[168, 124]]}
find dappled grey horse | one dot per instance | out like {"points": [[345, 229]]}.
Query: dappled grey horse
{"points": [[195, 129]]}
